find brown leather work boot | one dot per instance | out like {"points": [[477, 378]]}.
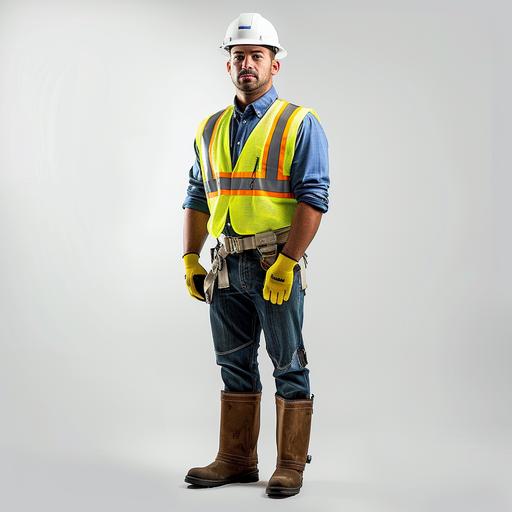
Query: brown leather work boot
{"points": [[292, 435], [237, 459]]}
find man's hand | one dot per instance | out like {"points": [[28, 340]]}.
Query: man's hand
{"points": [[194, 275], [279, 279]]}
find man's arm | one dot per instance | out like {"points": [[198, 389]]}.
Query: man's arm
{"points": [[279, 277], [310, 184], [194, 230], [309, 176], [196, 209], [305, 223]]}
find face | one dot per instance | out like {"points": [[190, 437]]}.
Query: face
{"points": [[251, 67]]}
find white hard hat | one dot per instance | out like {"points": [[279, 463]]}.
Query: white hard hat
{"points": [[252, 28]]}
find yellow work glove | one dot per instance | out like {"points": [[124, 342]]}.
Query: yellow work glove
{"points": [[279, 279], [194, 275]]}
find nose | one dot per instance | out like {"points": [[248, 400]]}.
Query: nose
{"points": [[246, 63]]}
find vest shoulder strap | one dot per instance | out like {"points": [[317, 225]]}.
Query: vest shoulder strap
{"points": [[209, 120]]}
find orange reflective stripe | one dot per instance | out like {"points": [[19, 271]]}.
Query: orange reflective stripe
{"points": [[269, 139], [224, 192], [236, 175], [282, 149]]}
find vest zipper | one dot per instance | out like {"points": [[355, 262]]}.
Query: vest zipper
{"points": [[254, 170]]}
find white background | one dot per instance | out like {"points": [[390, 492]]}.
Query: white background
{"points": [[109, 390]]}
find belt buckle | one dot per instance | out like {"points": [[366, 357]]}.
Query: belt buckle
{"points": [[268, 251], [234, 244], [265, 238], [266, 245]]}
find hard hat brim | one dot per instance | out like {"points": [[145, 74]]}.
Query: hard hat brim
{"points": [[281, 53]]}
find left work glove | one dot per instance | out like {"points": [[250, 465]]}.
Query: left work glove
{"points": [[279, 279], [194, 275]]}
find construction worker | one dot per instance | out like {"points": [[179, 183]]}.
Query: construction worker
{"points": [[260, 179]]}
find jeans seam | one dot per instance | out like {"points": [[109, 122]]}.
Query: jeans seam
{"points": [[234, 349], [286, 366], [253, 369]]}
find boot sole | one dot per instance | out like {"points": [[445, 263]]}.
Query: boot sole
{"points": [[242, 479], [281, 492]]}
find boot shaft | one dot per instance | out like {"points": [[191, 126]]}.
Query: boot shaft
{"points": [[293, 432], [239, 427]]}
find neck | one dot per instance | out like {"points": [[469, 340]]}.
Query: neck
{"points": [[245, 98]]}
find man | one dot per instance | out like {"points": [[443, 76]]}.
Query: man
{"points": [[260, 179]]}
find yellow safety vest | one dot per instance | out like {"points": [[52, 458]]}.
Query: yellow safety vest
{"points": [[257, 190]]}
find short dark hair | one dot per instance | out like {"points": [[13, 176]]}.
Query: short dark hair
{"points": [[273, 49]]}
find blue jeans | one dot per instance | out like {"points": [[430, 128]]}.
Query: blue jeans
{"points": [[237, 316]]}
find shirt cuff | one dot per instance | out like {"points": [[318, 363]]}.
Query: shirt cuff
{"points": [[196, 204], [320, 204]]}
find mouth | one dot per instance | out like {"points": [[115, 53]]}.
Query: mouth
{"points": [[243, 77]]}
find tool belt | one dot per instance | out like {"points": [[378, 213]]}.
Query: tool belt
{"points": [[265, 243]]}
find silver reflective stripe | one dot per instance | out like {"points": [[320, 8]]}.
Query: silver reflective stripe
{"points": [[275, 143], [235, 183], [210, 185]]}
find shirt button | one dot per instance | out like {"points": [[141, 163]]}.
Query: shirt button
{"points": [[238, 143], [244, 121]]}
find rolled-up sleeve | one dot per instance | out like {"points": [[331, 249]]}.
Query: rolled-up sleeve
{"points": [[196, 196], [309, 174]]}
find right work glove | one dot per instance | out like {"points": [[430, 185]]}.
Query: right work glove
{"points": [[194, 275], [279, 279]]}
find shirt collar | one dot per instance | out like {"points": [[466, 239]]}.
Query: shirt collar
{"points": [[260, 106]]}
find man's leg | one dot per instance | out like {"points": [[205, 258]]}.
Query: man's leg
{"points": [[236, 331], [282, 325]]}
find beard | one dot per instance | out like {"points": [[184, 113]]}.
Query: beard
{"points": [[248, 85]]}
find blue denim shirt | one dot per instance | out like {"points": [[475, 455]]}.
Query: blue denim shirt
{"points": [[309, 174]]}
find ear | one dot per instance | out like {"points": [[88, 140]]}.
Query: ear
{"points": [[276, 66], [228, 66]]}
